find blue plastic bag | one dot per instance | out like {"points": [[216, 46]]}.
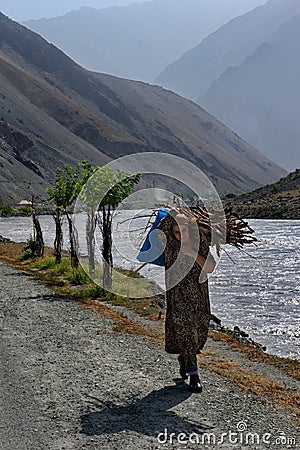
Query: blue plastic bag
{"points": [[152, 250]]}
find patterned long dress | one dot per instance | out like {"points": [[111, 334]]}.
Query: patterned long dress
{"points": [[188, 306]]}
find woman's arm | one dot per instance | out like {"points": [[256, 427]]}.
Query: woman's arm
{"points": [[208, 264]]}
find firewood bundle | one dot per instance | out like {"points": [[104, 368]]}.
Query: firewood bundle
{"points": [[227, 226]]}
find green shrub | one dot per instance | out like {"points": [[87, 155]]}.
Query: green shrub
{"points": [[25, 210], [78, 277], [6, 210], [48, 263], [94, 292], [63, 268], [30, 249]]}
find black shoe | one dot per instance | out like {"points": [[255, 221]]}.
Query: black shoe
{"points": [[195, 384], [182, 370]]}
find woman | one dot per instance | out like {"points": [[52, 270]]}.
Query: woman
{"points": [[188, 308]]}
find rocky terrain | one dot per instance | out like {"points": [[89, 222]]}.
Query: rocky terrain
{"points": [[279, 200]]}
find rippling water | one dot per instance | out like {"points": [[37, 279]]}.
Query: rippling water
{"points": [[261, 292], [258, 291]]}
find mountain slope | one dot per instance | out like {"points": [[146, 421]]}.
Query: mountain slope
{"points": [[137, 41], [230, 45], [260, 99], [69, 114], [279, 200], [180, 127]]}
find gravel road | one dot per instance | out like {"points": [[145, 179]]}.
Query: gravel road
{"points": [[69, 381]]}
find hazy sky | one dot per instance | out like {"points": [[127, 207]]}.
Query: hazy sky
{"points": [[35, 9], [21, 10]]}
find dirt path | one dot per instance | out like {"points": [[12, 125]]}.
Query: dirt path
{"points": [[69, 381]]}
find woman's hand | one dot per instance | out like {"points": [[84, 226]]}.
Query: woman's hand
{"points": [[188, 250], [207, 264]]}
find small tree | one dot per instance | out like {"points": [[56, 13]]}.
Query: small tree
{"points": [[104, 191], [38, 235], [90, 236], [66, 188]]}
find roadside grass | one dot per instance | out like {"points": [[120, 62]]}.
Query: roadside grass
{"points": [[132, 290], [290, 366], [122, 323], [253, 382]]}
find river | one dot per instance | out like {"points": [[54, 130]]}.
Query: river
{"points": [[259, 290]]}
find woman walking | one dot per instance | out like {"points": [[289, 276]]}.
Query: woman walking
{"points": [[188, 308]]}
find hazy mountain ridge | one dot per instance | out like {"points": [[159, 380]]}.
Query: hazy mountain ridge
{"points": [[229, 46], [37, 9], [260, 99], [246, 74], [137, 41], [71, 114], [280, 200]]}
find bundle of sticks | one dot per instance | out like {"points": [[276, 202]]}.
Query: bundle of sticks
{"points": [[227, 226]]}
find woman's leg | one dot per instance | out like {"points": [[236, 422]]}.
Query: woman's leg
{"points": [[190, 363], [182, 369], [191, 367]]}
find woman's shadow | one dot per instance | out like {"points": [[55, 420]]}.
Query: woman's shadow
{"points": [[149, 415]]}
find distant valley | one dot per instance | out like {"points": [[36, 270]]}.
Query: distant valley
{"points": [[55, 112], [246, 74], [137, 41], [260, 99]]}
